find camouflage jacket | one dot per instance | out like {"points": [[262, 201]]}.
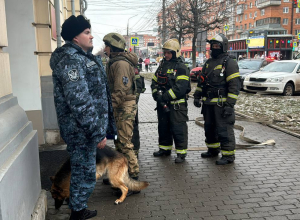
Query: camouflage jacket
{"points": [[121, 74], [81, 95]]}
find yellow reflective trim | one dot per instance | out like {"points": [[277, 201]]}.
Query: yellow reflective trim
{"points": [[178, 101], [154, 78], [213, 145], [170, 71], [233, 96], [137, 76], [217, 99], [165, 147], [218, 67], [172, 94], [207, 65], [227, 153], [199, 89], [154, 90], [234, 75], [183, 77], [204, 98], [181, 151]]}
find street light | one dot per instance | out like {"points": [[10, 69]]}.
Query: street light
{"points": [[128, 28]]}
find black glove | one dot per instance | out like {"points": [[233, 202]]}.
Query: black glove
{"points": [[197, 103], [228, 110]]}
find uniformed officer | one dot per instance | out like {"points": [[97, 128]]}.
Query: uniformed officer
{"points": [[121, 80], [83, 107], [170, 86], [218, 87]]}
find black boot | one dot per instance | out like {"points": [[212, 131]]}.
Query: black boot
{"points": [[161, 153], [225, 160], [83, 214], [180, 158], [211, 152]]}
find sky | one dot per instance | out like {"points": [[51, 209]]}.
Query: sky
{"points": [[113, 15]]}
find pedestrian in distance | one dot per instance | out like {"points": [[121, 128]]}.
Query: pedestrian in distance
{"points": [[121, 79], [140, 64], [83, 107], [170, 86], [147, 63], [218, 89]]}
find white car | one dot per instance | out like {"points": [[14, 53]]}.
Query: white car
{"points": [[281, 77]]}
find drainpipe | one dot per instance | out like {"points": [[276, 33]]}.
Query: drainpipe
{"points": [[57, 18], [84, 6], [73, 7]]}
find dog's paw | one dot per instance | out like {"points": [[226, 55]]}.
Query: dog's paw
{"points": [[118, 201]]}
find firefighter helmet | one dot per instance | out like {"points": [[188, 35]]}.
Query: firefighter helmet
{"points": [[221, 39], [116, 40], [172, 45]]}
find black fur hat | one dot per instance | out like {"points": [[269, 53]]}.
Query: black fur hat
{"points": [[74, 26]]}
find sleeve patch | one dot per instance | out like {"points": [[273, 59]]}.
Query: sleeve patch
{"points": [[73, 75], [125, 80]]}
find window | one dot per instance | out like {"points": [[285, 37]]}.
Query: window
{"points": [[255, 14], [237, 19], [255, 3], [250, 15], [285, 0], [297, 20], [245, 17], [246, 7], [241, 17], [297, 10], [297, 31], [286, 10], [245, 26], [250, 25], [241, 27], [262, 12], [285, 21], [250, 5]]}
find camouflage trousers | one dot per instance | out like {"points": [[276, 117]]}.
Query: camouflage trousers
{"points": [[83, 174], [124, 118]]}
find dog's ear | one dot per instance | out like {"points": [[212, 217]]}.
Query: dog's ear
{"points": [[52, 178]]}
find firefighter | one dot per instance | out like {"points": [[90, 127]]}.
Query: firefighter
{"points": [[218, 89], [170, 86]]}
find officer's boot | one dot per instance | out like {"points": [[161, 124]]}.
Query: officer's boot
{"points": [[211, 152], [83, 214], [180, 158], [225, 160], [161, 153]]}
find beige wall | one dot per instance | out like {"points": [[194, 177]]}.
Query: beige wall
{"points": [[5, 82]]}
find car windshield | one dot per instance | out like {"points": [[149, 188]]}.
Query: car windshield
{"points": [[249, 64], [287, 67]]}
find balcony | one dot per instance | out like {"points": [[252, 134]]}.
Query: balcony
{"points": [[267, 3], [230, 32], [239, 11], [239, 30]]}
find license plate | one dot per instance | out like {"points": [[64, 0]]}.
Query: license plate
{"points": [[255, 84]]}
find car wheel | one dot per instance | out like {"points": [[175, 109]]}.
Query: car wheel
{"points": [[288, 90]]}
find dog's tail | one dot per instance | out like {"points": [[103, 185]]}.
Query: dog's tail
{"points": [[135, 185]]}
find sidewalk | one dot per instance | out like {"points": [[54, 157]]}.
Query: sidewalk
{"points": [[262, 184]]}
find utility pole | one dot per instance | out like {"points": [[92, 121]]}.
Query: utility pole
{"points": [[164, 22]]}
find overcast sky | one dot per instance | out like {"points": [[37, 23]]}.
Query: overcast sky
{"points": [[112, 16]]}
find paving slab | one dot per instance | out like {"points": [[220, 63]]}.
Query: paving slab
{"points": [[262, 183]]}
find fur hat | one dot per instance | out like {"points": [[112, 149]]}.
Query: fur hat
{"points": [[74, 26]]}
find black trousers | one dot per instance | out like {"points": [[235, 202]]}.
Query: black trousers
{"points": [[219, 129], [173, 126], [136, 133]]}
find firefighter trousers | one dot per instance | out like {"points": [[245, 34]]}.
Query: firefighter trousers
{"points": [[219, 131], [173, 125]]}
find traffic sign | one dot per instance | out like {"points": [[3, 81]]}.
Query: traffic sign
{"points": [[226, 28], [298, 35], [247, 41], [295, 44], [134, 41]]}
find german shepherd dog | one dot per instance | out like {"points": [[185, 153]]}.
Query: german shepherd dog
{"points": [[108, 161]]}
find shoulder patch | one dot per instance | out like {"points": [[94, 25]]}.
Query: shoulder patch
{"points": [[125, 80], [92, 63], [73, 75]]}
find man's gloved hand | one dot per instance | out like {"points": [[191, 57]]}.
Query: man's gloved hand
{"points": [[228, 110], [197, 103]]}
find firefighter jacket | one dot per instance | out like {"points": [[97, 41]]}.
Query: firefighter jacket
{"points": [[219, 81], [81, 96], [174, 85], [121, 77]]}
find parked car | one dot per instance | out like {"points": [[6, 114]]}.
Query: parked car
{"points": [[153, 61], [248, 66], [189, 63], [195, 72], [280, 77]]}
